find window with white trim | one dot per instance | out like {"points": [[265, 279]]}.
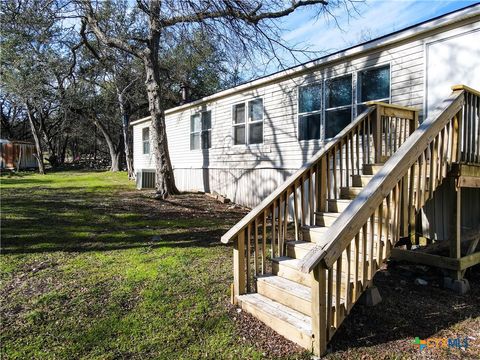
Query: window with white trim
{"points": [[338, 105], [309, 111], [373, 85], [201, 130], [146, 140], [248, 122]]}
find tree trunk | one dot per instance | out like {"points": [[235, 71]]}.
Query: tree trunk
{"points": [[36, 138], [126, 135], [165, 180], [114, 153]]}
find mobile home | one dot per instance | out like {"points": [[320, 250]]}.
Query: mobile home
{"points": [[245, 141]]}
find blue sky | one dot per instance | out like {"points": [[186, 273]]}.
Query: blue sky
{"points": [[373, 18]]}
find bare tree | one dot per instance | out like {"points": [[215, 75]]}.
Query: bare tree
{"points": [[155, 26]]}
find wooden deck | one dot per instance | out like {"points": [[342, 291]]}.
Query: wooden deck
{"points": [[330, 226]]}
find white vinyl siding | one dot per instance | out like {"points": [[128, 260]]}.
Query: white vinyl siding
{"points": [[246, 173]]}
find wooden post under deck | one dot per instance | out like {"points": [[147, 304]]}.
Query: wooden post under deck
{"points": [[455, 240]]}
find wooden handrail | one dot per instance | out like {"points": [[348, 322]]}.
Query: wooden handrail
{"points": [[296, 176], [349, 224], [373, 135], [466, 88]]}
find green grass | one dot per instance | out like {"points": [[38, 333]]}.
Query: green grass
{"points": [[93, 269]]}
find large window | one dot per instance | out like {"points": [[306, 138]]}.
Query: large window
{"points": [[146, 140], [309, 111], [248, 122], [200, 130], [373, 85], [338, 105]]}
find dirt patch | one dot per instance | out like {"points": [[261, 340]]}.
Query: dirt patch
{"points": [[253, 332]]}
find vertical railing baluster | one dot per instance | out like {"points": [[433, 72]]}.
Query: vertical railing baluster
{"points": [[302, 199], [249, 240], [311, 187], [264, 242], [285, 218], [340, 152], [255, 238], [357, 148], [338, 288], [274, 229], [356, 267], [295, 210], [379, 234], [371, 245], [364, 256], [334, 167], [280, 231], [348, 289]]}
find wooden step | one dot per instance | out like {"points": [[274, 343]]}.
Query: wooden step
{"points": [[326, 218], [313, 233], [298, 249], [337, 205], [371, 169], [361, 180], [288, 322], [290, 293], [350, 192], [288, 268]]}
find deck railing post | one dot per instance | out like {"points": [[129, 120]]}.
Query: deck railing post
{"points": [[319, 310], [238, 266], [413, 122], [377, 133]]}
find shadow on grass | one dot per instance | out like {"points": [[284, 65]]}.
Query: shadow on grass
{"points": [[70, 243], [70, 219]]}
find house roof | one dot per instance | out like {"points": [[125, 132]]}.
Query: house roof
{"points": [[470, 11]]}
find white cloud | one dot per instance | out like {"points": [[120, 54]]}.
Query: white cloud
{"points": [[375, 18]]}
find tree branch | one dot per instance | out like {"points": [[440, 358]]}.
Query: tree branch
{"points": [[229, 11], [102, 36]]}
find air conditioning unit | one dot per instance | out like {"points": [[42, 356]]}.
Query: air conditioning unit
{"points": [[146, 179]]}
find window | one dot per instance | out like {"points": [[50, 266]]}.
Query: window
{"points": [[248, 123], [338, 105], [146, 140], [201, 130], [255, 121], [239, 124], [309, 111], [373, 85]]}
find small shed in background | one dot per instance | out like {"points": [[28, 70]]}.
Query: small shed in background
{"points": [[17, 155]]}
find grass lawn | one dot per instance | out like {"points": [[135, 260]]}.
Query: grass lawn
{"points": [[93, 269]]}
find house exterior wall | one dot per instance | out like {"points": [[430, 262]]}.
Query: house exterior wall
{"points": [[248, 173]]}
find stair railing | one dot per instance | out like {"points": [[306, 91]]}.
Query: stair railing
{"points": [[364, 234], [377, 132]]}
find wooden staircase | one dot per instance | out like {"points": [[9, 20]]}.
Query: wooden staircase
{"points": [[305, 255], [283, 299]]}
